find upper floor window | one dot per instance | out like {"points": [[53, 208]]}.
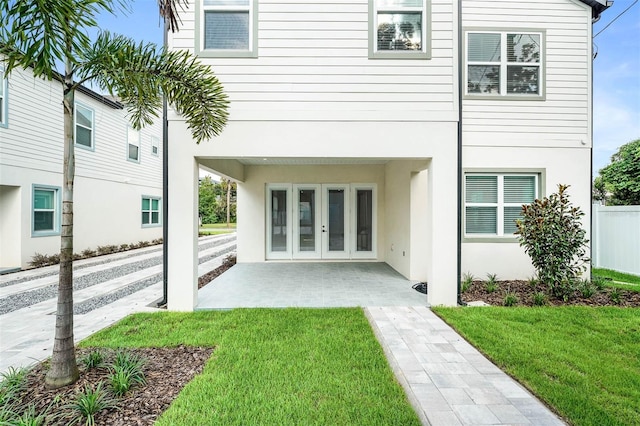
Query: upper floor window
{"points": [[504, 64], [228, 28], [155, 142], [3, 99], [399, 29], [133, 144], [493, 202], [46, 211], [84, 126]]}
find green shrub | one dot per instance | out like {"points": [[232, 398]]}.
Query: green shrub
{"points": [[88, 253], [491, 284], [38, 260], [108, 249], [554, 239], [130, 363], [93, 359], [598, 282], [586, 288], [615, 296], [467, 280], [539, 298], [124, 247], [533, 282], [510, 299], [90, 402]]}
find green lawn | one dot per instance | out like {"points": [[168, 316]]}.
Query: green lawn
{"points": [[216, 228], [584, 362], [274, 366], [618, 279]]}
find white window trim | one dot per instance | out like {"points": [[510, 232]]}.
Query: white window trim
{"points": [[57, 210], [4, 100], [155, 144], [92, 128], [150, 211], [137, 132], [252, 52], [500, 205], [424, 53], [503, 63]]}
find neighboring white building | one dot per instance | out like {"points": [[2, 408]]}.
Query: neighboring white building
{"points": [[118, 182], [401, 131]]}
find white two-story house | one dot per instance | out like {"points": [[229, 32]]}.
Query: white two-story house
{"points": [[118, 182], [401, 131]]}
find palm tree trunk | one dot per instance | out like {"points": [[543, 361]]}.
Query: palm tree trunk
{"points": [[64, 369]]}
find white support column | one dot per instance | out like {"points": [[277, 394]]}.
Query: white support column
{"points": [[443, 289], [182, 292]]}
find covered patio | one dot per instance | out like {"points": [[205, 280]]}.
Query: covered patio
{"points": [[309, 284]]}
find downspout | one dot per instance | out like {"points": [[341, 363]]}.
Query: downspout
{"points": [[460, 86], [165, 188]]}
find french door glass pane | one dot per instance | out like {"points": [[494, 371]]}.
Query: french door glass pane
{"points": [[336, 220], [307, 219], [226, 30], [278, 220], [43, 221], [364, 220], [481, 220]]}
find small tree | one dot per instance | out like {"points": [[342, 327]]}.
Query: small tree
{"points": [[622, 176], [554, 239]]}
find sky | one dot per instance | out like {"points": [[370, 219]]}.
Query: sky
{"points": [[616, 69]]}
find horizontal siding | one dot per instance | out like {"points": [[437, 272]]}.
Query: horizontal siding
{"points": [[34, 136], [313, 65], [564, 114]]}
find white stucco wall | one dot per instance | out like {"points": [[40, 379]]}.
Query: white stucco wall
{"points": [[559, 166]]}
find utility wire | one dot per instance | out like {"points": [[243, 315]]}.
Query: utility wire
{"points": [[614, 19]]}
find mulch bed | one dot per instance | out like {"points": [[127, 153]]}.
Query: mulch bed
{"points": [[525, 291], [167, 371]]}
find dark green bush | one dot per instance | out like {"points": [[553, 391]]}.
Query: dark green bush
{"points": [[554, 239]]}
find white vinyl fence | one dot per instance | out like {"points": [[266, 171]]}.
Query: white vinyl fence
{"points": [[616, 238]]}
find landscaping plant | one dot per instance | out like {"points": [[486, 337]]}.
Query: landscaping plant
{"points": [[552, 235]]}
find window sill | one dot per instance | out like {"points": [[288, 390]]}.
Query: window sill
{"points": [[38, 234], [152, 225], [399, 54], [227, 54], [505, 98]]}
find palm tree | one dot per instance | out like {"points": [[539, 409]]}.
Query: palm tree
{"points": [[43, 33]]}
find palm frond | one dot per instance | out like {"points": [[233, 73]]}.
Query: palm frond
{"points": [[140, 73]]}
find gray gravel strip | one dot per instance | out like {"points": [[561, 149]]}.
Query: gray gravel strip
{"points": [[76, 267], [22, 300], [106, 299]]}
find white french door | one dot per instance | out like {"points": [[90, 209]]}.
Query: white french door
{"points": [[321, 221]]}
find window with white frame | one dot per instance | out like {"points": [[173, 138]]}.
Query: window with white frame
{"points": [[504, 63], [46, 210], [399, 28], [150, 211], [155, 142], [3, 99], [228, 27], [83, 126], [133, 144], [493, 202]]}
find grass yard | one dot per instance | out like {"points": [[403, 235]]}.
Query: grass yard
{"points": [[618, 279], [216, 228], [274, 366], [584, 362]]}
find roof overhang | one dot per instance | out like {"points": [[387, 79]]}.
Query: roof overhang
{"points": [[597, 6]]}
